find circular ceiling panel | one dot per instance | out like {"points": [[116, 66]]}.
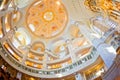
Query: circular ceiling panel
{"points": [[46, 18]]}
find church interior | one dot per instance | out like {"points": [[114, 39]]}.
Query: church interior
{"points": [[59, 39]]}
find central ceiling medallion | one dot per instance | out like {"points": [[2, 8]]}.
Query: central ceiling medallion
{"points": [[47, 18]]}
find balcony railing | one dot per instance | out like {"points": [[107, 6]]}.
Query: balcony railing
{"points": [[67, 70]]}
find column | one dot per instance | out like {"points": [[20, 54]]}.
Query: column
{"points": [[106, 51], [72, 54], [45, 59], [26, 51]]}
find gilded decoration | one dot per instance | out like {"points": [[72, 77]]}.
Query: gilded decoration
{"points": [[46, 18]]}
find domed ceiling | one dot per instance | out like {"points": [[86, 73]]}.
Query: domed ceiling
{"points": [[52, 38], [47, 36], [46, 19]]}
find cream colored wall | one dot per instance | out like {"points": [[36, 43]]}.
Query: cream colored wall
{"points": [[77, 10]]}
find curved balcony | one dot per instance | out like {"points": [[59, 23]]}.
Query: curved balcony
{"points": [[32, 60], [61, 72]]}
